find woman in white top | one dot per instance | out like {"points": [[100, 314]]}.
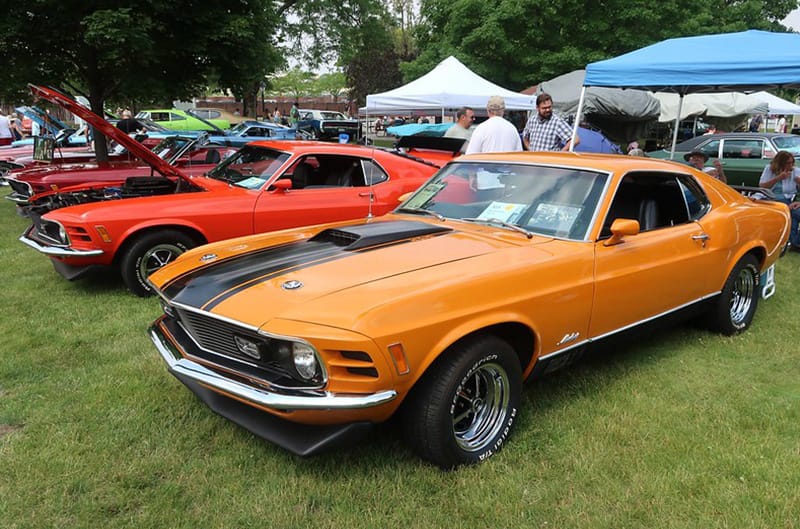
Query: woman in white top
{"points": [[781, 177], [5, 131]]}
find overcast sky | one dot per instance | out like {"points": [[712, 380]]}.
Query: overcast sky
{"points": [[793, 20]]}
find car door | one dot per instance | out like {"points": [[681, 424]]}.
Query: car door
{"points": [[663, 266], [178, 122], [743, 160], [332, 188]]}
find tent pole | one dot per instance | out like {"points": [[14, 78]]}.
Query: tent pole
{"points": [[677, 124], [577, 120]]}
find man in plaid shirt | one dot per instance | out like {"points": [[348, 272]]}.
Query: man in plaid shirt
{"points": [[546, 132]]}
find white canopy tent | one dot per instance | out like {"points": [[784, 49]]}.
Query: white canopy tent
{"points": [[777, 105], [449, 85]]}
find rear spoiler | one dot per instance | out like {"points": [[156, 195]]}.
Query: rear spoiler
{"points": [[433, 143]]}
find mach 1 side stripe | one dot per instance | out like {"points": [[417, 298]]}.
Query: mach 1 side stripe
{"points": [[214, 283]]}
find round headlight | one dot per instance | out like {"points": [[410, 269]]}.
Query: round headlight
{"points": [[305, 361], [62, 233]]}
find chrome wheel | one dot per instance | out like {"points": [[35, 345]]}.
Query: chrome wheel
{"points": [[480, 406], [744, 287], [157, 257]]}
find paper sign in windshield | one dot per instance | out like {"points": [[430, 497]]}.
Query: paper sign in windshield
{"points": [[558, 218], [504, 211]]}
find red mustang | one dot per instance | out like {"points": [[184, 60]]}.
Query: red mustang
{"points": [[265, 186], [129, 158]]}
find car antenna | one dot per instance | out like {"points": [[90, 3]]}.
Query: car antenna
{"points": [[371, 167]]}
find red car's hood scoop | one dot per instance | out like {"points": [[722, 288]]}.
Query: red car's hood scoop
{"points": [[109, 130]]}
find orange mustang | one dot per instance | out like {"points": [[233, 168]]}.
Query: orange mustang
{"points": [[500, 268]]}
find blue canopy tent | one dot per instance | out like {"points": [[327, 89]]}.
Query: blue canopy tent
{"points": [[747, 61]]}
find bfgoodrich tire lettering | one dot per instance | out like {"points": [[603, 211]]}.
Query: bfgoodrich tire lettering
{"points": [[464, 407], [147, 254], [735, 307]]}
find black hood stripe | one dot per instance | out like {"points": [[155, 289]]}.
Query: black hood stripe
{"points": [[207, 287], [209, 284]]}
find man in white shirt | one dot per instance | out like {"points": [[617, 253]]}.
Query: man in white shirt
{"points": [[496, 134], [5, 131]]}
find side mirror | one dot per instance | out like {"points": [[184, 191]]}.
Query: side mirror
{"points": [[284, 184], [620, 229]]}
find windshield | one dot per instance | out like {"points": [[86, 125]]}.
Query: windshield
{"points": [[170, 148], [332, 115], [250, 166], [544, 200], [788, 143], [238, 129]]}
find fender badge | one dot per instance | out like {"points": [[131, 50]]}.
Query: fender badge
{"points": [[208, 257], [292, 285]]}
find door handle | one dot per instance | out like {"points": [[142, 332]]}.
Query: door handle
{"points": [[366, 194], [702, 237]]}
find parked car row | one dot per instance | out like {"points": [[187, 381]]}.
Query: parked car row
{"points": [[743, 154], [313, 290]]}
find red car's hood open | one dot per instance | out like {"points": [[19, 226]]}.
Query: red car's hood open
{"points": [[109, 130]]}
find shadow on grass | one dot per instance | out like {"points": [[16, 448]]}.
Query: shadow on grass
{"points": [[100, 281]]}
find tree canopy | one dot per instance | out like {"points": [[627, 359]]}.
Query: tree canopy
{"points": [[147, 51], [141, 50], [517, 43]]}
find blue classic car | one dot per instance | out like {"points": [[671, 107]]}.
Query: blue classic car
{"points": [[49, 125], [250, 130], [327, 125]]}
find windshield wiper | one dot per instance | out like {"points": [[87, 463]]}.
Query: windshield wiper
{"points": [[421, 211], [502, 223]]}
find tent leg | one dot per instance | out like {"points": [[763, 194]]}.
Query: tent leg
{"points": [[675, 131], [577, 120]]}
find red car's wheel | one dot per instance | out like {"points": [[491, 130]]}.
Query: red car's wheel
{"points": [[147, 254]]}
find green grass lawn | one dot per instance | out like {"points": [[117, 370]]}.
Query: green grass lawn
{"points": [[684, 429]]}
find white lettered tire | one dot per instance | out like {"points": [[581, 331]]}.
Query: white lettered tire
{"points": [[463, 409]]}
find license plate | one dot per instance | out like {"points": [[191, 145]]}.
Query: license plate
{"points": [[768, 282]]}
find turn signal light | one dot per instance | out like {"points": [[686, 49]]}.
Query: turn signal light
{"points": [[399, 358], [103, 233]]}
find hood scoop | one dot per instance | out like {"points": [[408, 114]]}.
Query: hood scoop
{"points": [[361, 236]]}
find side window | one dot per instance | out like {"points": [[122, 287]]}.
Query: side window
{"points": [[160, 116], [697, 203], [373, 174], [176, 117], [742, 149], [323, 171], [656, 200], [711, 148]]}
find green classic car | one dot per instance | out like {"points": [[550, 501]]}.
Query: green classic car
{"points": [[175, 119], [743, 154]]}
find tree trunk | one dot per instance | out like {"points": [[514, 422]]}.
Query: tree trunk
{"points": [[100, 145]]}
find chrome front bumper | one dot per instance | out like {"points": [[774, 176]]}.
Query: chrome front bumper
{"points": [[56, 251], [184, 368]]}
